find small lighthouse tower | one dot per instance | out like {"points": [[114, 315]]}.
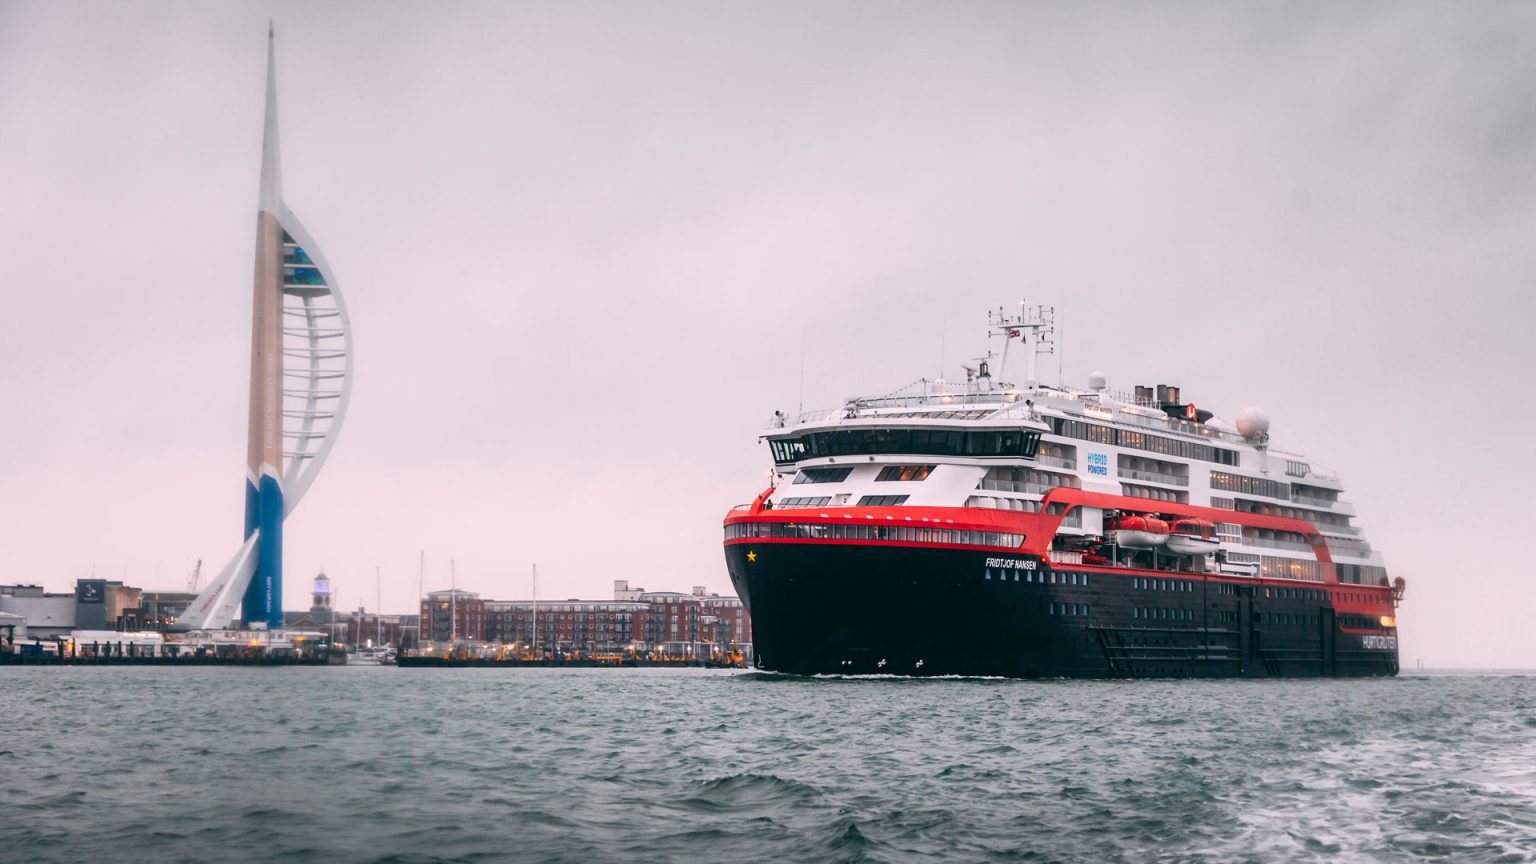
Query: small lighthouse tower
{"points": [[322, 596]]}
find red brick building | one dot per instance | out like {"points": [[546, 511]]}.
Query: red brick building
{"points": [[453, 616], [586, 625], [636, 620]]}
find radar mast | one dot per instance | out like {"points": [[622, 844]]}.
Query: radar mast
{"points": [[1034, 327]]}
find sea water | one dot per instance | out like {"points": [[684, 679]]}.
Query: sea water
{"points": [[641, 765]]}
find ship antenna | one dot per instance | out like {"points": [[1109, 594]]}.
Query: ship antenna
{"points": [[943, 332], [801, 409], [1060, 350]]}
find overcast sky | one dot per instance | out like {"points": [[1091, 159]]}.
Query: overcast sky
{"points": [[586, 246]]}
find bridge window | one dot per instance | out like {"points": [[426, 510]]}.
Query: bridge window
{"points": [[817, 501], [904, 472], [823, 475], [883, 500], [1017, 443]]}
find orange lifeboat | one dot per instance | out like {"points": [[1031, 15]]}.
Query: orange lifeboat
{"points": [[1135, 531], [1193, 537]]}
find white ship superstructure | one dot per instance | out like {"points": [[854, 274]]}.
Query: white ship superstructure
{"points": [[965, 447]]}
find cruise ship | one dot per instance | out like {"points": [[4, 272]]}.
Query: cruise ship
{"points": [[983, 528]]}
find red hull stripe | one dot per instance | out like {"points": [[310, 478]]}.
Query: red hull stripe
{"points": [[1039, 529]]}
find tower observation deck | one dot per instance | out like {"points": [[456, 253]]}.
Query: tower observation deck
{"points": [[300, 385]]}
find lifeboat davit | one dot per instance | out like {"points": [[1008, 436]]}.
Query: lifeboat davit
{"points": [[1137, 532], [1193, 537]]}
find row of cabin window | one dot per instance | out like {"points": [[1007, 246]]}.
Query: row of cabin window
{"points": [[1294, 593], [1290, 618], [1361, 574], [1021, 443], [1316, 517], [1078, 609], [1041, 576], [898, 533], [1157, 614], [1287, 593], [1161, 584], [1316, 492], [1356, 597], [1153, 493], [1135, 440], [1359, 622], [1250, 485], [824, 500], [1304, 569]]}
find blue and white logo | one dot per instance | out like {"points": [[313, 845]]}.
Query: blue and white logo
{"points": [[1098, 463]]}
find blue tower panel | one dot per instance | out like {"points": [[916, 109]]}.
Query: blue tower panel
{"points": [[270, 566], [263, 599]]}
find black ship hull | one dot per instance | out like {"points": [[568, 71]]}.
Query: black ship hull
{"points": [[852, 608]]}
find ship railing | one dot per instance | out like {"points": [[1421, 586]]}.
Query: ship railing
{"points": [[1022, 486], [1153, 477], [1073, 519], [982, 397], [780, 421], [1129, 398], [1057, 462], [1276, 544], [1164, 422], [1326, 503], [1358, 547]]}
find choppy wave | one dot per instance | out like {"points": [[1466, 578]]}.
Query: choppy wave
{"points": [[418, 766]]}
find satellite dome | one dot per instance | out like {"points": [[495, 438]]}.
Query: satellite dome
{"points": [[1097, 381], [1253, 422]]}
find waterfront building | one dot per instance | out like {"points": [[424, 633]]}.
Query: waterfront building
{"points": [[300, 386], [48, 614], [158, 610], [12, 627], [567, 625], [453, 616], [664, 622]]}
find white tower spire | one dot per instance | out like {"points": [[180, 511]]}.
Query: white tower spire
{"points": [[271, 163]]}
